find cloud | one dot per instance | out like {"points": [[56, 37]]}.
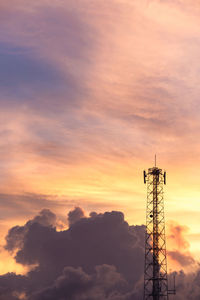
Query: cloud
{"points": [[184, 259], [99, 255], [180, 252], [24, 76], [12, 286], [111, 83], [106, 283], [177, 234], [95, 95], [75, 215], [187, 285], [21, 206], [17, 234]]}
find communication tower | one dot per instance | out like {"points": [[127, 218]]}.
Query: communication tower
{"points": [[155, 270]]}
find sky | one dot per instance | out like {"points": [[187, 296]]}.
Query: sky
{"points": [[90, 90]]}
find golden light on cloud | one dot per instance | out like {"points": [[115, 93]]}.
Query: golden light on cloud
{"points": [[8, 264], [81, 122]]}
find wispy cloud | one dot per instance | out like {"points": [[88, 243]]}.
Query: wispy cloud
{"points": [[90, 91]]}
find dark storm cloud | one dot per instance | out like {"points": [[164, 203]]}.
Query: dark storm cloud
{"points": [[105, 284], [87, 243], [75, 215], [12, 285], [98, 257], [76, 284], [16, 234], [187, 285]]}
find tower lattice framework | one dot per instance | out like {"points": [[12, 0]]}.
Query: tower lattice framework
{"points": [[155, 271]]}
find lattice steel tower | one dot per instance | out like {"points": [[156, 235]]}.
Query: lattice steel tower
{"points": [[155, 271]]}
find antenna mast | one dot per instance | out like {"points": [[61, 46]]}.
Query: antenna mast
{"points": [[155, 270]]}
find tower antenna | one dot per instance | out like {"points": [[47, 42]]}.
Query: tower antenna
{"points": [[155, 269]]}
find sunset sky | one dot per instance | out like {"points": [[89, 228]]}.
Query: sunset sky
{"points": [[90, 90]]}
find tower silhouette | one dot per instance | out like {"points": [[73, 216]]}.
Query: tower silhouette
{"points": [[155, 270]]}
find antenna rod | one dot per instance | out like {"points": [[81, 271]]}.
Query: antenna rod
{"points": [[155, 160]]}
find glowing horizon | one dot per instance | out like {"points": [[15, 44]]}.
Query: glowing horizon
{"points": [[90, 91]]}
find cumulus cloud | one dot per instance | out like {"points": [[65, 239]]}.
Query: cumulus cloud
{"points": [[15, 237], [75, 215], [105, 283], [187, 285], [180, 252], [12, 286], [97, 68], [98, 257]]}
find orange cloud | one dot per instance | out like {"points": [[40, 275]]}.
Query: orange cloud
{"points": [[130, 89], [179, 247]]}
